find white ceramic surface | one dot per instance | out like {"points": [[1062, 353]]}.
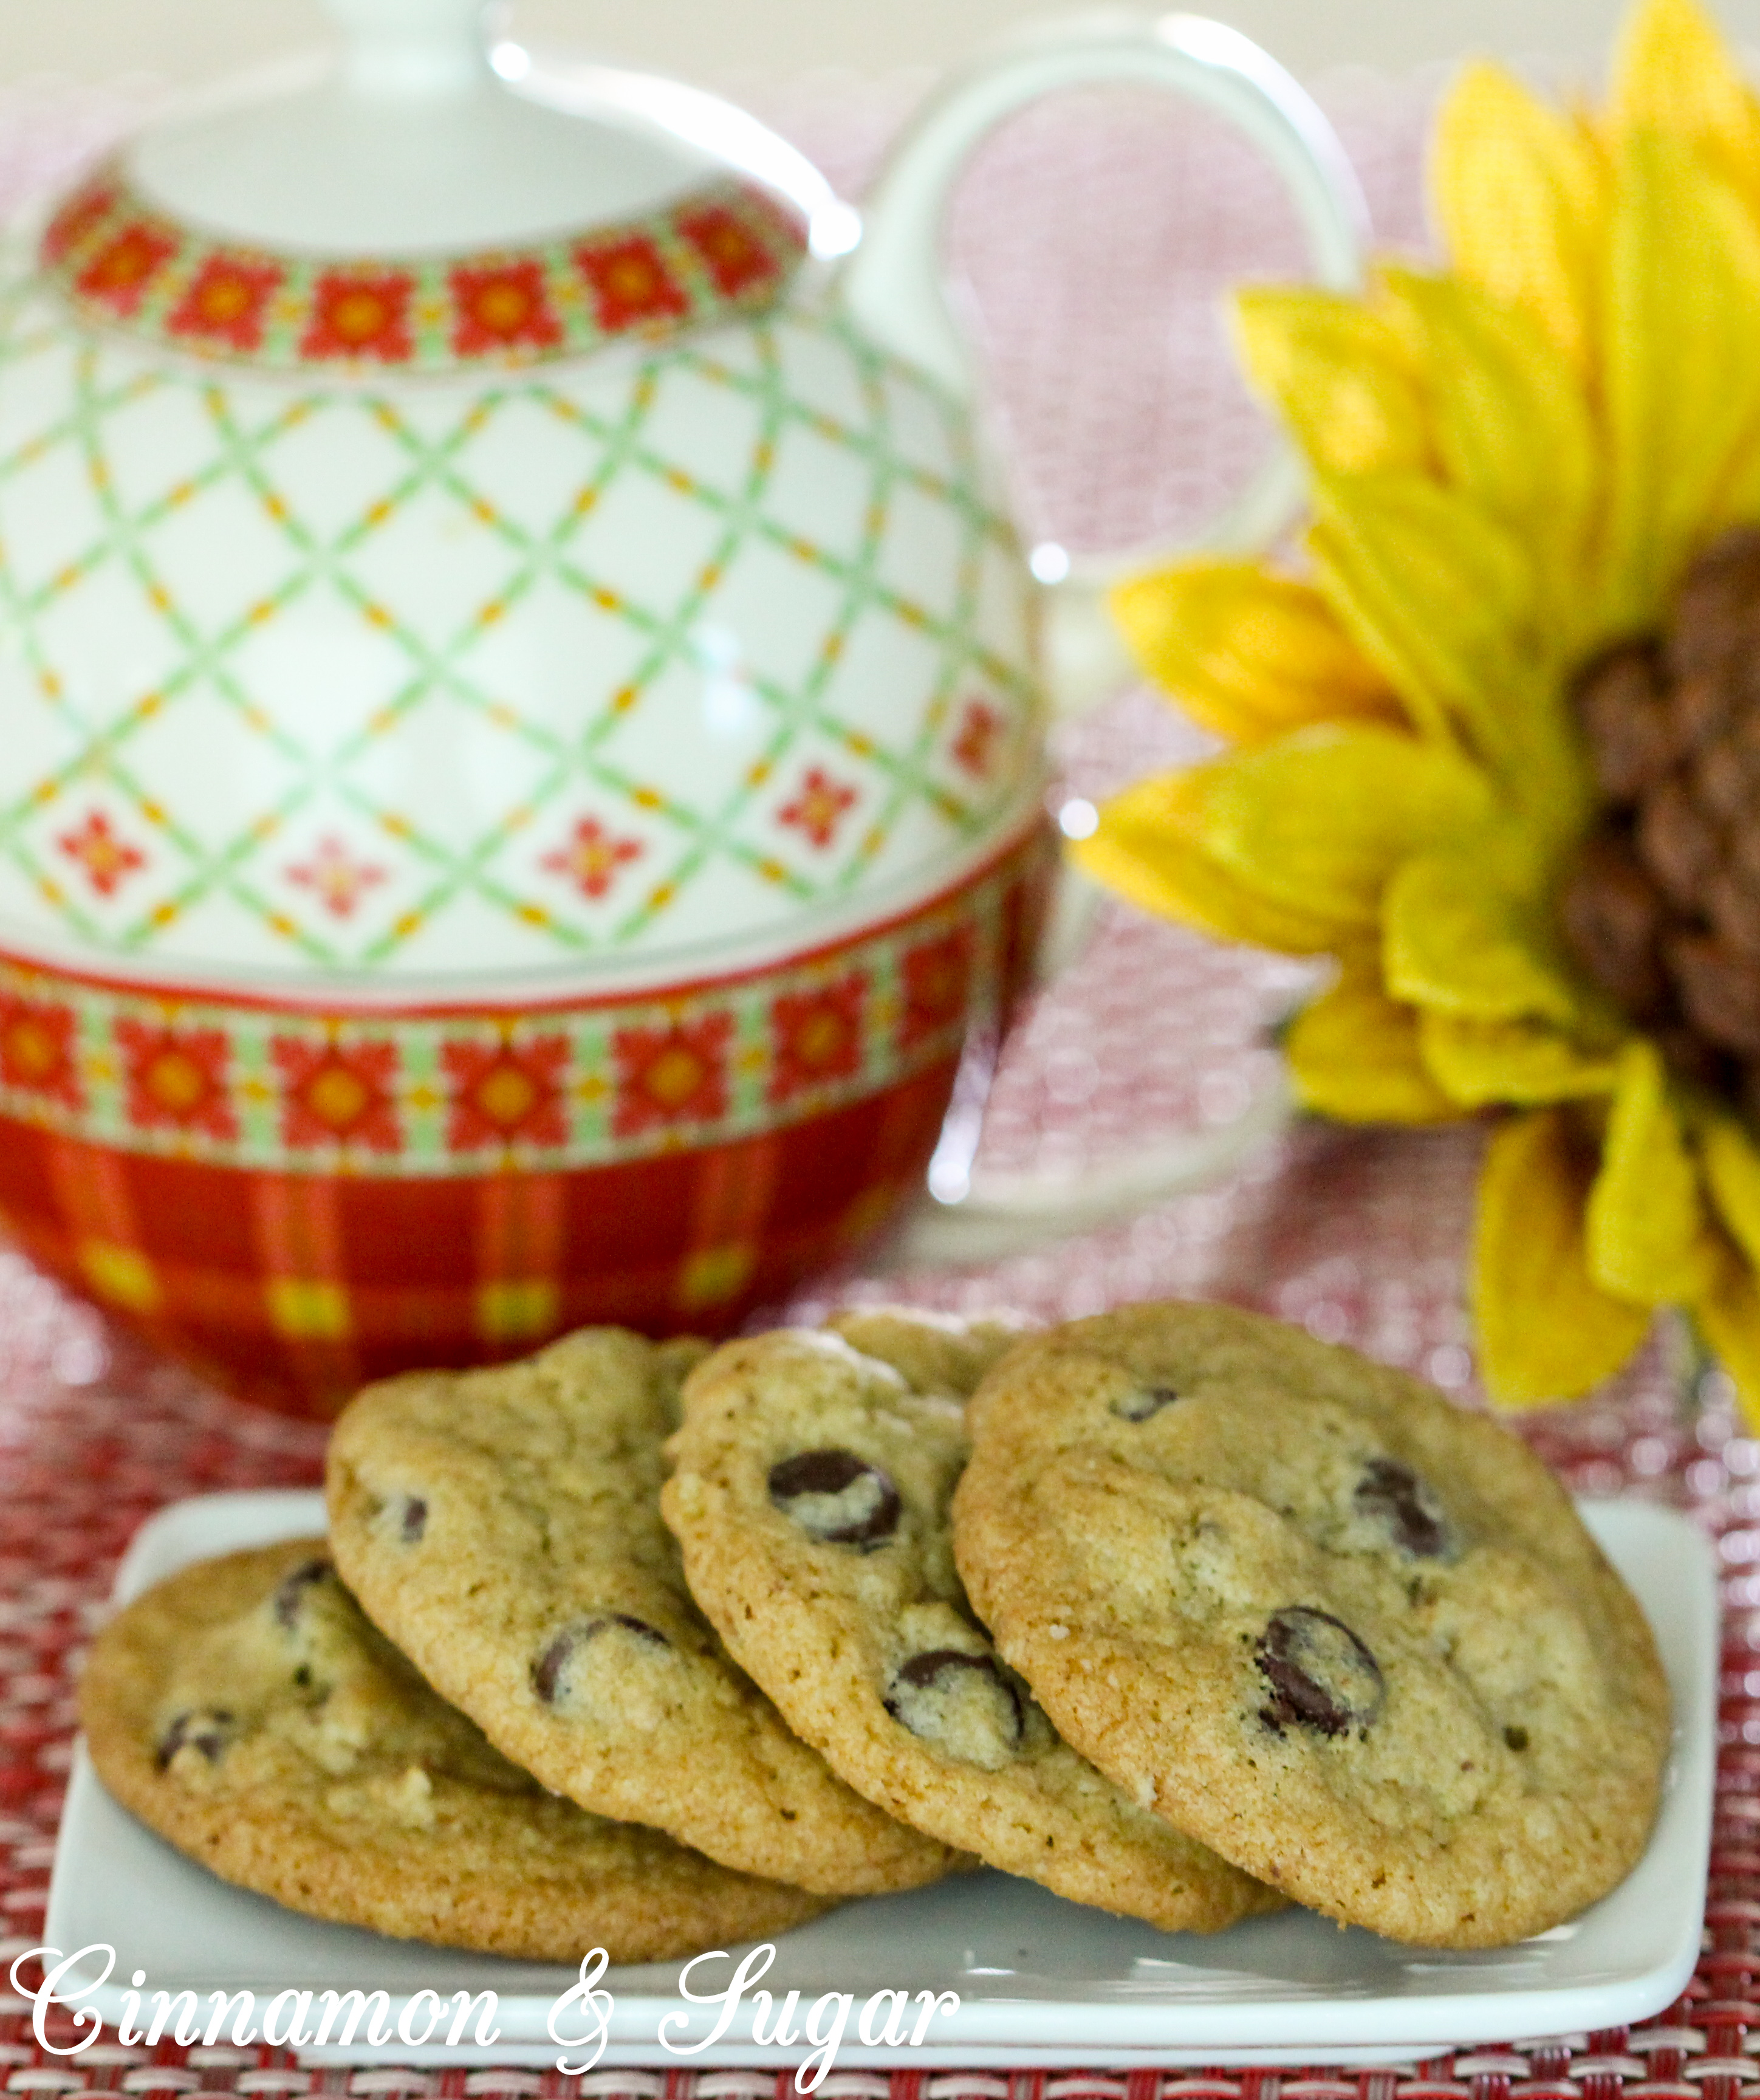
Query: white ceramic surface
{"points": [[351, 631], [477, 677], [411, 145], [1041, 1981]]}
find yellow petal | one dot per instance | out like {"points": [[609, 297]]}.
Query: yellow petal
{"points": [[1250, 654], [1518, 194], [1731, 1163], [1469, 931], [1741, 502], [1648, 1236], [1728, 1316], [1546, 1330], [1682, 366], [1353, 1054], [1318, 820], [1146, 850], [1672, 72], [1338, 375], [1442, 600], [1479, 1064], [1511, 425]]}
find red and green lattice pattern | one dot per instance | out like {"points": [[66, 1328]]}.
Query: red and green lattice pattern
{"points": [[612, 656]]}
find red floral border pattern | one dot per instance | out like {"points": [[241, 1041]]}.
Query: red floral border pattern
{"points": [[727, 248], [306, 1091]]}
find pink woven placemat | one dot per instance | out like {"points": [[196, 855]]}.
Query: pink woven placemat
{"points": [[1093, 237]]}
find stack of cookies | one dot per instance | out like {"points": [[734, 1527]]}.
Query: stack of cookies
{"points": [[1175, 1611]]}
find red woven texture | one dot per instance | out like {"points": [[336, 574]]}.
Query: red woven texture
{"points": [[1095, 236]]}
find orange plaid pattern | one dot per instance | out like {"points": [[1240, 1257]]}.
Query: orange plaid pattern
{"points": [[294, 1290]]}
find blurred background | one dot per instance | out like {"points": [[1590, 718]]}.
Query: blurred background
{"points": [[1092, 238], [717, 41]]}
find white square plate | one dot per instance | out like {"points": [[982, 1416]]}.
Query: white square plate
{"points": [[1040, 1981]]}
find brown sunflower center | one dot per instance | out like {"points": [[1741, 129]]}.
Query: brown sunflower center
{"points": [[1663, 908]]}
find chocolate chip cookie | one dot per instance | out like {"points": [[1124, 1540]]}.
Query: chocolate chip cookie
{"points": [[503, 1528], [810, 1496], [1353, 1637], [248, 1712], [933, 1352]]}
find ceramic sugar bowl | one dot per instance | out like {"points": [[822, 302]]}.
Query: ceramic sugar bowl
{"points": [[522, 770]]}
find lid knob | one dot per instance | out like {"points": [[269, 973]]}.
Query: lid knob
{"points": [[412, 146], [412, 48]]}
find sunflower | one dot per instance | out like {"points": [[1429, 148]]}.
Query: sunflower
{"points": [[1534, 476]]}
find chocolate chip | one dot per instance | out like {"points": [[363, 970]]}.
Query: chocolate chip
{"points": [[203, 1728], [940, 1670], [1321, 1676], [1393, 1494], [937, 1662], [649, 1636], [837, 1498], [413, 1521], [547, 1668], [1516, 1738], [1147, 1399], [547, 1671], [292, 1590]]}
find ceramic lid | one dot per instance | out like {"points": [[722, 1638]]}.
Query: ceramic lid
{"points": [[621, 670], [408, 207]]}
